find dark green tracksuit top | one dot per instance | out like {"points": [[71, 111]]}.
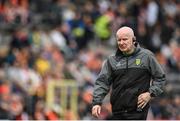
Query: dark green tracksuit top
{"points": [[129, 76]]}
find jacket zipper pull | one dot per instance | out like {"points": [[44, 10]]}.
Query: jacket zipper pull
{"points": [[126, 64]]}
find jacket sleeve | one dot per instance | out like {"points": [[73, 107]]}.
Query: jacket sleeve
{"points": [[158, 76], [102, 83]]}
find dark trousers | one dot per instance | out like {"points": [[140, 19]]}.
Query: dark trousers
{"points": [[132, 115]]}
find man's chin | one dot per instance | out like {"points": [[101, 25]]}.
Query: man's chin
{"points": [[123, 50]]}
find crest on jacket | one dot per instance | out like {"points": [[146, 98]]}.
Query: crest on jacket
{"points": [[138, 61]]}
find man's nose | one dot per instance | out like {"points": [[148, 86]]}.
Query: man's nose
{"points": [[120, 42]]}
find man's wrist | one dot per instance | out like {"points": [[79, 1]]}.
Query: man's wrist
{"points": [[152, 94]]}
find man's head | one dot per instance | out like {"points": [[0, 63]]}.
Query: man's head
{"points": [[125, 39]]}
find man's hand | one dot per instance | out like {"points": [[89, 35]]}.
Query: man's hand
{"points": [[143, 99], [96, 110]]}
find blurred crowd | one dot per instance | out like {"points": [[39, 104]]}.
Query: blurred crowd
{"points": [[57, 40]]}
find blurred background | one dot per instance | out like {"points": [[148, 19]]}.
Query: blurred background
{"points": [[51, 52]]}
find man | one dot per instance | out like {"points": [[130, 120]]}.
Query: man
{"points": [[129, 72]]}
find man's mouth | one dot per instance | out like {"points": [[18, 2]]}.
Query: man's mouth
{"points": [[123, 47]]}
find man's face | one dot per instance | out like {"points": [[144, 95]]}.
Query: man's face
{"points": [[125, 42]]}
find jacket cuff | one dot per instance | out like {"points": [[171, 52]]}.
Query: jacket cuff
{"points": [[96, 103]]}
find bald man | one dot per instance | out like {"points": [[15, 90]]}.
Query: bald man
{"points": [[134, 75]]}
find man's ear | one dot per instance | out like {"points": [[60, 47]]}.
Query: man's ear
{"points": [[134, 39]]}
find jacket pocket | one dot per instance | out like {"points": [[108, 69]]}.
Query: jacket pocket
{"points": [[124, 100], [132, 98]]}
